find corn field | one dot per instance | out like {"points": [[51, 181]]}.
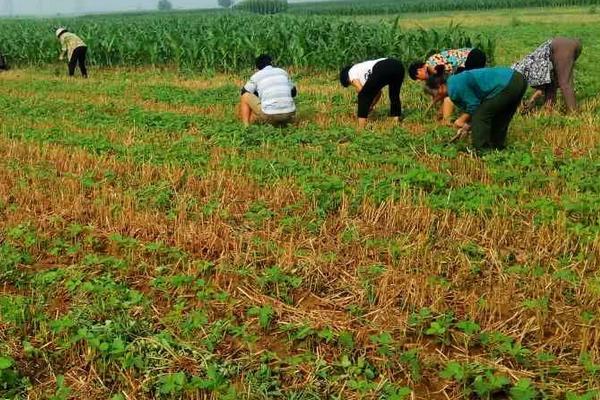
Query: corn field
{"points": [[367, 7], [228, 42]]}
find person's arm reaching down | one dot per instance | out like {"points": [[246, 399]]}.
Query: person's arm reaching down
{"points": [[447, 110], [462, 120], [530, 104], [463, 126], [250, 87], [63, 50]]}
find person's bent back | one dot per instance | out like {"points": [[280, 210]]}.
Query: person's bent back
{"points": [[268, 95]]}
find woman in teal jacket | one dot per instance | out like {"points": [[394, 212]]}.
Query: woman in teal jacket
{"points": [[489, 98]]}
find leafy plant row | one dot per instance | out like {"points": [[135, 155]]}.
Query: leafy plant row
{"points": [[227, 42]]}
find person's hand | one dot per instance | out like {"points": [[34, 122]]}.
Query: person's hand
{"points": [[462, 132], [527, 107], [61, 57], [459, 124]]}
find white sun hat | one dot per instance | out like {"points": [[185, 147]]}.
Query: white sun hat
{"points": [[60, 30]]}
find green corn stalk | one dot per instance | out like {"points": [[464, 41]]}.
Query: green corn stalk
{"points": [[229, 41]]}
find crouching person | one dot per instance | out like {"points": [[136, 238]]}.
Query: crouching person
{"points": [[269, 95], [75, 49], [489, 98]]}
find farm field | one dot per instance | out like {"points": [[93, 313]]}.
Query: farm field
{"points": [[151, 247]]}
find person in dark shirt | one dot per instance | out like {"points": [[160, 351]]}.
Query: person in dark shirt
{"points": [[489, 98]]}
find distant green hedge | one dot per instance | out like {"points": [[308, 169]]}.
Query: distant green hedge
{"points": [[263, 6]]}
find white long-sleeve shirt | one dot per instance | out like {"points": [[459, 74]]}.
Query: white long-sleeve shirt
{"points": [[70, 42]]}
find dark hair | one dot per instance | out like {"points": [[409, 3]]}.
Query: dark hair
{"points": [[435, 81], [440, 70], [262, 61], [414, 68], [344, 77]]}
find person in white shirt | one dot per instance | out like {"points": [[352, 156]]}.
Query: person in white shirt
{"points": [[369, 78], [74, 48], [268, 95]]}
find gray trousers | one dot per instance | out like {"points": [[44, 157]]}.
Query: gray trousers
{"points": [[565, 52]]}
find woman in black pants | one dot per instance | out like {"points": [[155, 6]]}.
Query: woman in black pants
{"points": [[74, 48], [369, 78]]}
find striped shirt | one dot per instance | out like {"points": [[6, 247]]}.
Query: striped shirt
{"points": [[274, 89], [70, 42]]}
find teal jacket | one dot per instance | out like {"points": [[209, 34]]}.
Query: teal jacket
{"points": [[470, 88]]}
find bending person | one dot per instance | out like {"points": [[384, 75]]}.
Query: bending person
{"points": [[489, 98], [369, 78], [448, 62], [551, 66], [75, 49], [269, 95]]}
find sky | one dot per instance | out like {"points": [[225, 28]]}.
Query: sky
{"points": [[52, 7]]}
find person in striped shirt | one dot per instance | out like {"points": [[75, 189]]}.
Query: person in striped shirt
{"points": [[74, 48], [269, 95]]}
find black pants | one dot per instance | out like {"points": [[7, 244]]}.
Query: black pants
{"points": [[78, 57], [491, 120], [390, 73]]}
